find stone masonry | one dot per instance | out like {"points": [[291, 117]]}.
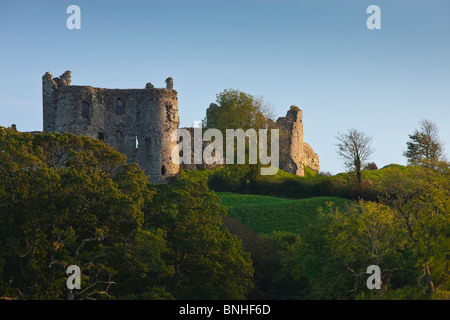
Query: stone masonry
{"points": [[295, 154], [140, 124]]}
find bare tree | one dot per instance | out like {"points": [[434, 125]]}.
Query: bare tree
{"points": [[354, 147], [425, 147]]}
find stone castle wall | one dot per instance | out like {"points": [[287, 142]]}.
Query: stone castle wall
{"points": [[291, 141], [295, 154], [138, 122], [310, 158]]}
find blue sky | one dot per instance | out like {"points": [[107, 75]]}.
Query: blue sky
{"points": [[318, 55]]}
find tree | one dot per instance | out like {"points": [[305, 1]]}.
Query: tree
{"points": [[331, 259], [70, 200], [425, 147], [208, 261], [419, 197], [309, 269], [354, 147], [371, 166], [366, 233], [238, 110]]}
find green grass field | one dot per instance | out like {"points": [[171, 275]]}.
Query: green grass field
{"points": [[265, 214]]}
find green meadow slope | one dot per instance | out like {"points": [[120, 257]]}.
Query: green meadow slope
{"points": [[265, 214]]}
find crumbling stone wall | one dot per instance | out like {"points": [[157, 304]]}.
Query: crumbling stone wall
{"points": [[192, 165], [295, 154], [138, 122], [310, 158], [291, 141]]}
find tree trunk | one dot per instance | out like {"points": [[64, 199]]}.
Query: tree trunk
{"points": [[358, 175], [385, 280], [430, 284], [70, 295]]}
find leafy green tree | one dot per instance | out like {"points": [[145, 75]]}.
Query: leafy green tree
{"points": [[367, 233], [208, 261], [67, 200], [236, 109], [265, 253], [142, 269], [331, 260], [420, 198], [71, 200], [425, 147], [309, 270]]}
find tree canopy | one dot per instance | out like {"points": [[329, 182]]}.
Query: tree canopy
{"points": [[71, 200], [236, 109], [425, 147]]}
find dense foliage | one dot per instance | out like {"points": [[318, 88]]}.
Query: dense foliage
{"points": [[406, 232], [424, 146], [214, 234], [71, 200], [236, 109]]}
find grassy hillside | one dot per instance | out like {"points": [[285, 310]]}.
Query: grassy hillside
{"points": [[265, 214], [312, 185]]}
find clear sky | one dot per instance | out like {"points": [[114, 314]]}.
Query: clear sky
{"points": [[318, 55]]}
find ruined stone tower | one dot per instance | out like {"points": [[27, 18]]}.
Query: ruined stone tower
{"points": [[294, 153], [291, 141], [138, 122]]}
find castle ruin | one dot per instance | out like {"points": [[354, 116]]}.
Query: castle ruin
{"points": [[140, 124], [295, 154]]}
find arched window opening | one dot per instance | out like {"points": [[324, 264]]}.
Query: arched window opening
{"points": [[85, 110]]}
